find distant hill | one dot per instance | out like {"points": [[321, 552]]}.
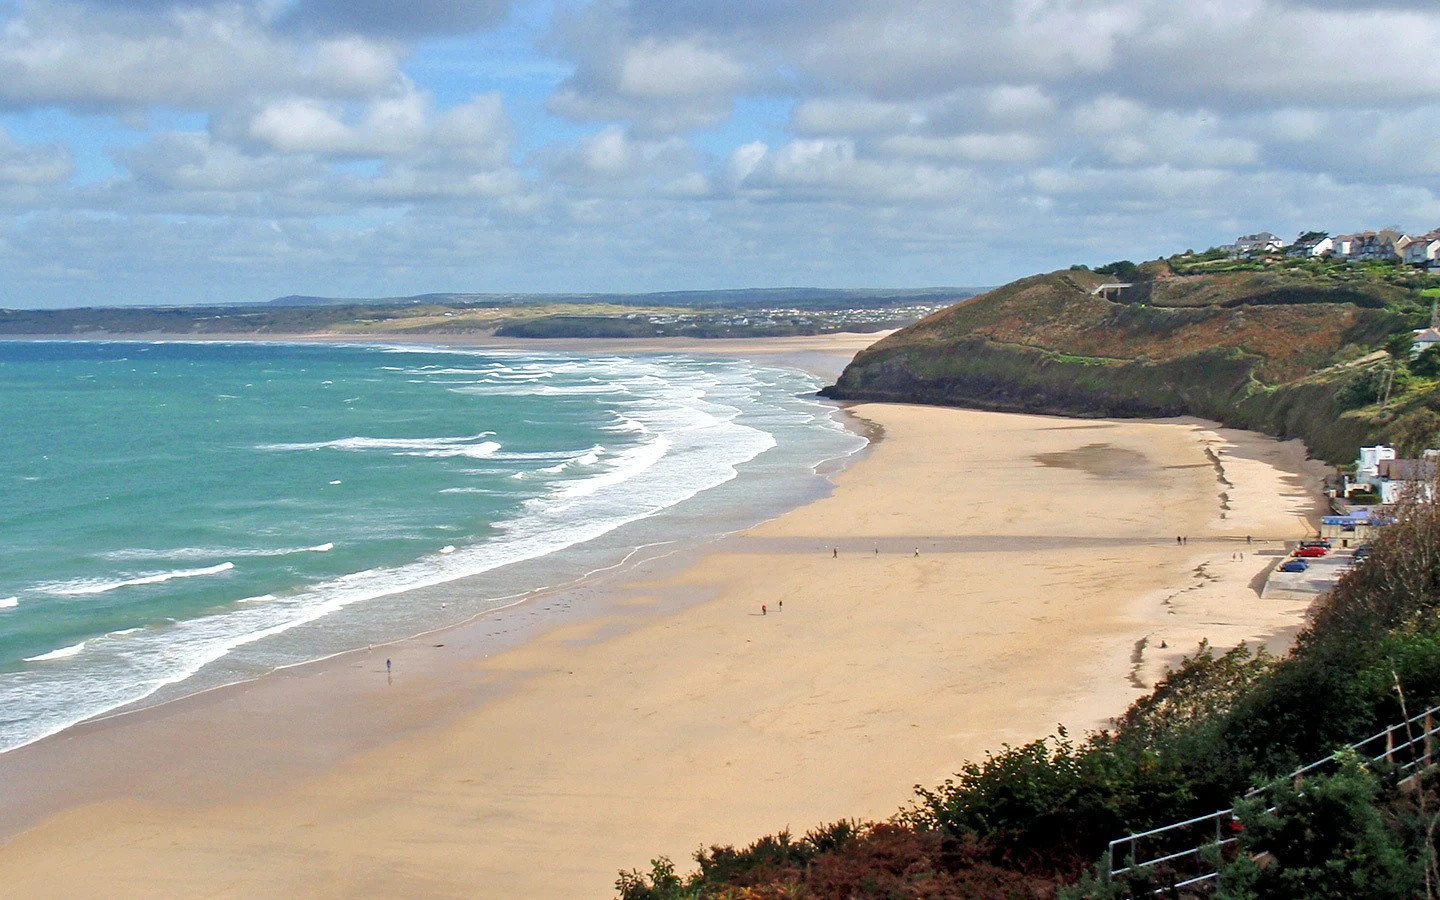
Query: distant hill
{"points": [[1291, 352], [744, 298], [701, 314]]}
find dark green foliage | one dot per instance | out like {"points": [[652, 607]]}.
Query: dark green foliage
{"points": [[660, 883], [1123, 269], [1414, 433], [1363, 389], [1340, 836], [1427, 364], [1399, 346]]}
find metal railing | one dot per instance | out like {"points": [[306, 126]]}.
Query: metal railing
{"points": [[1189, 853]]}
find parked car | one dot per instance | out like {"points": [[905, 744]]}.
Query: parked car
{"points": [[1311, 551], [1316, 542], [1362, 551], [1294, 565]]}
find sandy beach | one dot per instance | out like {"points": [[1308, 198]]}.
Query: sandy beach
{"points": [[975, 579]]}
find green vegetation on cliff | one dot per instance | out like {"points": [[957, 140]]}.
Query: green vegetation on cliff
{"points": [[1290, 350]]}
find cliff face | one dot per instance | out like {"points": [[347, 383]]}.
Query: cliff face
{"points": [[1283, 355]]}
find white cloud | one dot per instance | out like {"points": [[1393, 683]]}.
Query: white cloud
{"points": [[33, 164], [398, 125], [677, 70], [853, 115], [1007, 147], [195, 57], [858, 141]]}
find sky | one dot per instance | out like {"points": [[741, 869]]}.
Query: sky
{"points": [[190, 151]]}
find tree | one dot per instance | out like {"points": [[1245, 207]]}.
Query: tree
{"points": [[1400, 345], [1427, 364], [1122, 268]]}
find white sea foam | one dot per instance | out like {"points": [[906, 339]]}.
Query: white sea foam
{"points": [[686, 439], [474, 446], [9, 602], [62, 653], [84, 586], [143, 554], [448, 549]]}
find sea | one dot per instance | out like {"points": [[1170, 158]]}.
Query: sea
{"points": [[175, 516]]}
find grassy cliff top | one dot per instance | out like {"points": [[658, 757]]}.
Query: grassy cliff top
{"points": [[1293, 321]]}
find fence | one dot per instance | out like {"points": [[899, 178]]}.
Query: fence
{"points": [[1188, 854]]}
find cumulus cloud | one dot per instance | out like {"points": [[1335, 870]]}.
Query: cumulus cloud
{"points": [[386, 18], [184, 57], [33, 164], [848, 141]]}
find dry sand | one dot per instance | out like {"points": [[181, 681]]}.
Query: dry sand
{"points": [[1046, 577]]}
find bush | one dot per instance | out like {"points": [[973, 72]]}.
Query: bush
{"points": [[1335, 837], [1427, 364], [1123, 269]]}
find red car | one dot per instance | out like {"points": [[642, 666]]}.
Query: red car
{"points": [[1311, 551]]}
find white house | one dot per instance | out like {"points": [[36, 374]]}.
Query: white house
{"points": [[1311, 247], [1425, 338], [1421, 250], [1367, 466], [1397, 476], [1379, 471]]}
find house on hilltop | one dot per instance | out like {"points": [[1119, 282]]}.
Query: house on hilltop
{"points": [[1425, 338], [1421, 250], [1311, 244], [1380, 244], [1260, 242]]}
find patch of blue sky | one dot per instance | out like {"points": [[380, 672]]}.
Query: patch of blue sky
{"points": [[91, 139], [507, 60], [751, 119]]}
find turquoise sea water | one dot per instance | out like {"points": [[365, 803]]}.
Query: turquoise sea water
{"points": [[180, 515]]}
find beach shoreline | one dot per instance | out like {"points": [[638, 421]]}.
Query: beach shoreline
{"points": [[821, 355], [677, 713]]}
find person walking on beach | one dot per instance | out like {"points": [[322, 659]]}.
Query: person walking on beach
{"points": [[834, 552], [762, 609], [780, 607], [1177, 540], [917, 552], [387, 667]]}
